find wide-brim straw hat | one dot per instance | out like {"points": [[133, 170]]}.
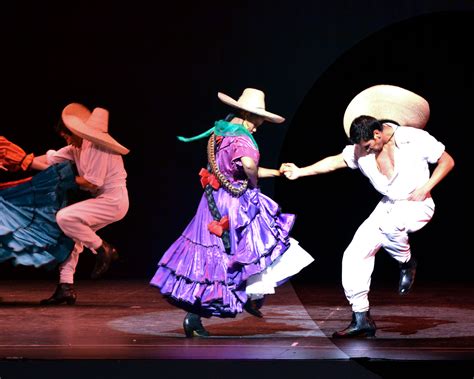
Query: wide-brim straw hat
{"points": [[388, 102], [91, 126], [252, 100]]}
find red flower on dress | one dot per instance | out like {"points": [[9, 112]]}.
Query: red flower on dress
{"points": [[208, 178], [218, 227]]}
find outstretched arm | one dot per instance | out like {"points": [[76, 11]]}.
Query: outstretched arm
{"points": [[268, 172], [325, 165], [39, 163], [254, 172], [444, 166]]}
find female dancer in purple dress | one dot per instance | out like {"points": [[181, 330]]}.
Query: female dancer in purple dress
{"points": [[237, 247]]}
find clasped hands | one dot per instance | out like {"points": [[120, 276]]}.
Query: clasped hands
{"points": [[290, 170]]}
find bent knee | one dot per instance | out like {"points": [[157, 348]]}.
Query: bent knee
{"points": [[65, 217]]}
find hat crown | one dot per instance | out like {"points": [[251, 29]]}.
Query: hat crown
{"points": [[99, 119], [92, 126], [384, 101], [252, 98]]}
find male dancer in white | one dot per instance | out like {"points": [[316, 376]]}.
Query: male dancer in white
{"points": [[395, 159], [98, 159]]}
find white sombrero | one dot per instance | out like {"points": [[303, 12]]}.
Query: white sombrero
{"points": [[253, 101], [91, 126], [388, 102]]}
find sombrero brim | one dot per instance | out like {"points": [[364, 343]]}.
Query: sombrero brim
{"points": [[271, 117], [75, 117], [388, 102]]}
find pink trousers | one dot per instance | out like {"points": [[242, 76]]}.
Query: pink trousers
{"points": [[82, 220]]}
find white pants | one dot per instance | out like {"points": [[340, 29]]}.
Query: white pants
{"points": [[80, 222], [388, 227]]}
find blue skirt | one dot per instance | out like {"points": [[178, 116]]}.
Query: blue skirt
{"points": [[29, 234]]}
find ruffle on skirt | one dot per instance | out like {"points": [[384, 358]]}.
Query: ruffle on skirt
{"points": [[29, 235], [282, 268], [198, 275], [261, 235]]}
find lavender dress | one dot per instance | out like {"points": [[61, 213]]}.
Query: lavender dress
{"points": [[196, 273]]}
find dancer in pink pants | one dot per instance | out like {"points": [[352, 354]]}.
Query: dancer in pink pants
{"points": [[101, 172]]}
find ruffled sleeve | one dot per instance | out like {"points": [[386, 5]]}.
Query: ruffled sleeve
{"points": [[13, 157], [243, 147]]}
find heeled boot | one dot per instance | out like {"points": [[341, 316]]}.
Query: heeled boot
{"points": [[64, 293], [407, 276], [193, 327], [106, 254], [361, 325], [253, 306]]}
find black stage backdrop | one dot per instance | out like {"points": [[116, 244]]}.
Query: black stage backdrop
{"points": [[158, 71]]}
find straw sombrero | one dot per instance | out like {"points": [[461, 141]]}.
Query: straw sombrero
{"points": [[252, 100], [91, 126], [388, 102]]}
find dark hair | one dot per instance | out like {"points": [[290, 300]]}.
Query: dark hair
{"points": [[252, 117], [243, 114], [229, 117], [61, 128], [363, 127]]}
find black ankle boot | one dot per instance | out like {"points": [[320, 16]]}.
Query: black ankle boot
{"points": [[193, 327], [106, 254], [362, 325], [253, 307], [64, 293], [407, 276]]}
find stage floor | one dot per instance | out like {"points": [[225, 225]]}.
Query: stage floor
{"points": [[119, 327]]}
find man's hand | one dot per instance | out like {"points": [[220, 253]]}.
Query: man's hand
{"points": [[81, 182], [419, 194]]}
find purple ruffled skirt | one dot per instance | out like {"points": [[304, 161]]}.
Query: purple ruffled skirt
{"points": [[197, 274]]}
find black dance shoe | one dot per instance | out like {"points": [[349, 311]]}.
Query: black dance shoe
{"points": [[407, 276], [362, 325], [253, 307], [64, 293], [106, 254], [193, 327]]}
